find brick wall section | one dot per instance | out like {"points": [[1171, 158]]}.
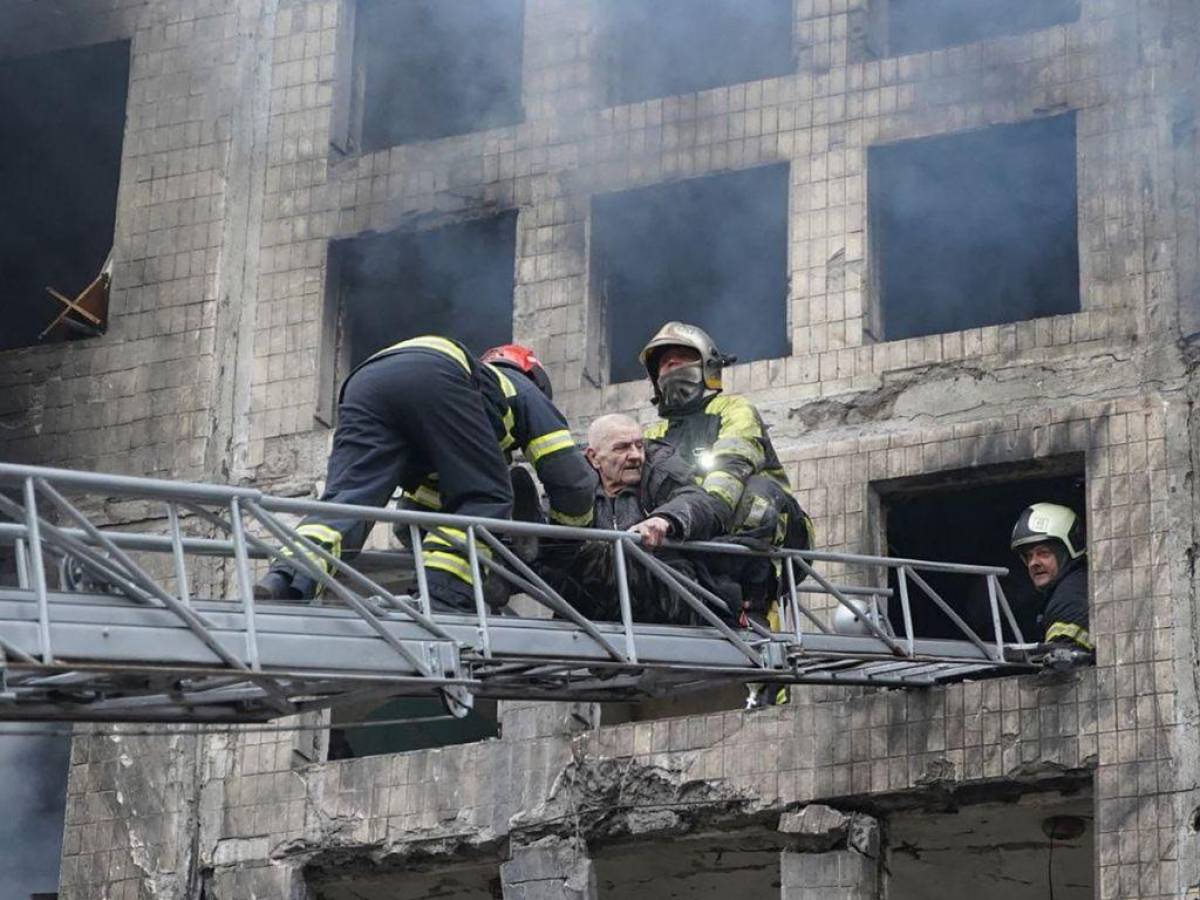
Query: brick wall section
{"points": [[161, 395]]}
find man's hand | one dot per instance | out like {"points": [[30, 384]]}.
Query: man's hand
{"points": [[653, 530]]}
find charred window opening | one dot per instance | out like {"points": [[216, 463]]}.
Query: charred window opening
{"points": [[428, 69], [975, 229], [455, 281], [403, 724], [968, 517], [741, 864], [62, 123], [710, 251], [659, 48], [913, 26]]}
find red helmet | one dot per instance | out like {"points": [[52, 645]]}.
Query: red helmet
{"points": [[524, 360]]}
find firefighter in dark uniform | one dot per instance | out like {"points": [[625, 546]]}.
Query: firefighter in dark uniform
{"points": [[1049, 539], [426, 416], [725, 438]]}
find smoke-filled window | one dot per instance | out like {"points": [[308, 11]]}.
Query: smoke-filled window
{"points": [[968, 517], [433, 68], [917, 25], [975, 229], [657, 48], [710, 251], [455, 281], [62, 122]]}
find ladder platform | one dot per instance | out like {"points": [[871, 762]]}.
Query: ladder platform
{"points": [[123, 644]]}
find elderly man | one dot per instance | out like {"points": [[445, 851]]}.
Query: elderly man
{"points": [[646, 488]]}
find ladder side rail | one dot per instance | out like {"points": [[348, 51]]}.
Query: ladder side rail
{"points": [[299, 546], [276, 527], [139, 579], [674, 582], [954, 617], [906, 608], [38, 565], [245, 585], [1008, 614], [625, 601], [177, 555], [128, 485], [998, 630], [414, 541], [875, 630], [551, 598], [481, 612]]}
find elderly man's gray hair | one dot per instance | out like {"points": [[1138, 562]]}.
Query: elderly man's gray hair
{"points": [[603, 426]]}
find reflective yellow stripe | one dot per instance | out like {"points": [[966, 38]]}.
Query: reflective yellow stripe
{"points": [[444, 536], [509, 420], [1071, 632], [448, 562], [426, 496], [655, 431], [580, 521], [431, 342], [329, 538], [541, 447], [724, 486], [738, 417], [749, 450]]}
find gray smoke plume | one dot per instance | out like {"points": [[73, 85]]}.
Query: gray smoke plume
{"points": [[33, 790]]}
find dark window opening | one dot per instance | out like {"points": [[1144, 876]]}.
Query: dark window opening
{"points": [[425, 724], [455, 281], [33, 791], [968, 518], [917, 25], [975, 229], [432, 68], [62, 123], [1028, 846], [740, 864], [659, 48], [709, 251]]}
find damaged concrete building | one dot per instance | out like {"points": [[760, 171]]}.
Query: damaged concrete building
{"points": [[955, 246]]}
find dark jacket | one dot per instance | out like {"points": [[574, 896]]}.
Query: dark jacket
{"points": [[668, 488], [1065, 615]]}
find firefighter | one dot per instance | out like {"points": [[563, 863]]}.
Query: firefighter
{"points": [[1049, 539], [425, 415], [725, 438]]}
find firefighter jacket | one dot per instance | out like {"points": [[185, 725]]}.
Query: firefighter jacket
{"points": [[667, 489], [1065, 615], [725, 438], [522, 418]]}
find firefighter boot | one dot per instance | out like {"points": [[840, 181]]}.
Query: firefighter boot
{"points": [[276, 585]]}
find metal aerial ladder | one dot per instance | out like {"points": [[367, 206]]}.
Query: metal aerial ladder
{"points": [[106, 624]]}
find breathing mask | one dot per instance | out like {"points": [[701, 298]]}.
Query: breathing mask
{"points": [[680, 387]]}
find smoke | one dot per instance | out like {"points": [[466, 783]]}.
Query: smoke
{"points": [[33, 791], [62, 121], [711, 251], [917, 25], [666, 47], [456, 281], [433, 68]]}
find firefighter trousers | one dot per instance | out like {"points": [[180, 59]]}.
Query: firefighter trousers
{"points": [[402, 417]]}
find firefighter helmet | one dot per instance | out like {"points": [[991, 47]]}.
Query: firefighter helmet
{"points": [[524, 360], [1049, 522], [680, 334]]}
